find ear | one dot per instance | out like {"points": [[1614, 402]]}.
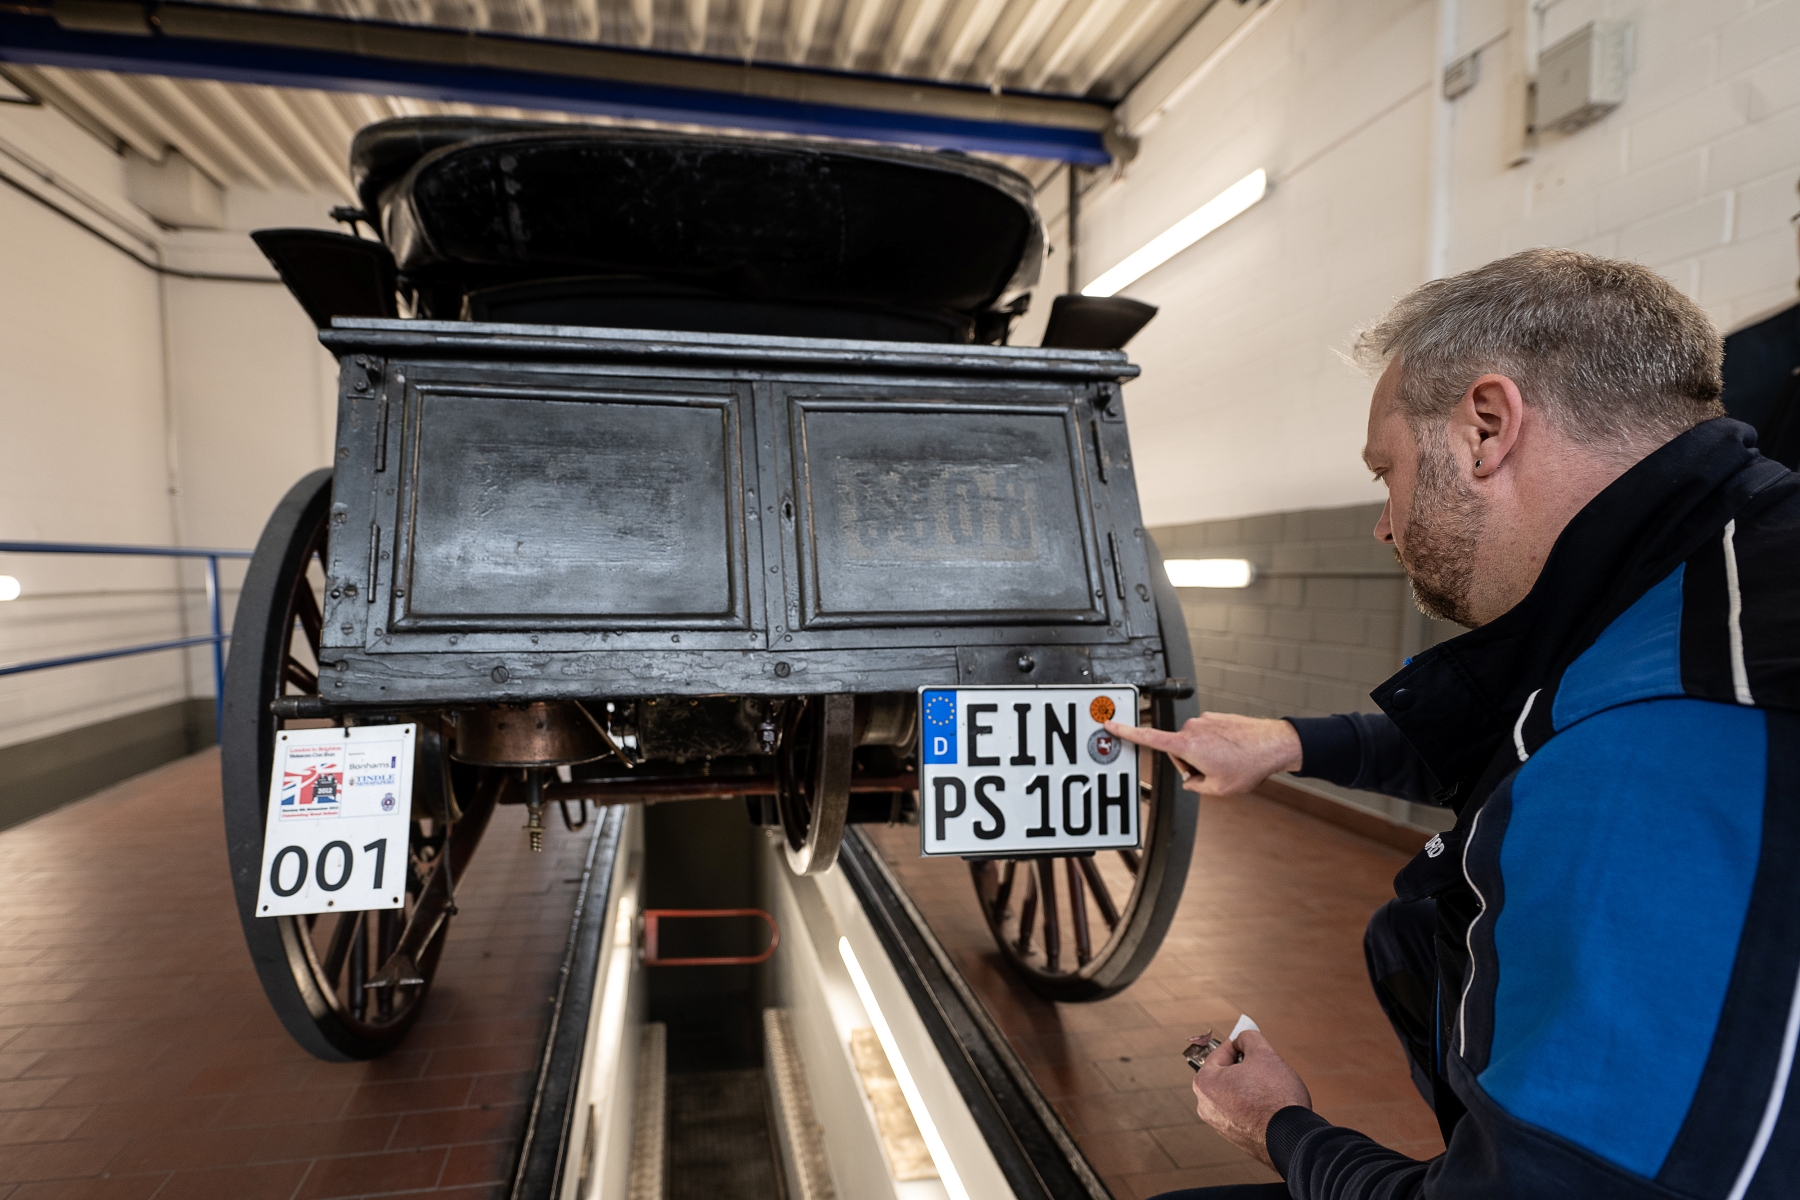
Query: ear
{"points": [[1486, 424]]}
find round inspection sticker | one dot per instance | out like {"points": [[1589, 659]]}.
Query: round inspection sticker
{"points": [[1102, 710]]}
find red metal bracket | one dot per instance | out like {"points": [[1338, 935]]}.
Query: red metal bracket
{"points": [[652, 916]]}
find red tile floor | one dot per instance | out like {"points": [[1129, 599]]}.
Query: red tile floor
{"points": [[139, 1059], [1271, 925]]}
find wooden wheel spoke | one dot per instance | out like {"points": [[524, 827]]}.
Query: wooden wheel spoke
{"points": [[1109, 912], [1084, 950], [1003, 893], [1046, 870], [1027, 914], [387, 928], [338, 950], [1131, 860], [294, 672], [359, 966], [306, 611]]}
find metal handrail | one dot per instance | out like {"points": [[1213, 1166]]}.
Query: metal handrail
{"points": [[217, 638]]}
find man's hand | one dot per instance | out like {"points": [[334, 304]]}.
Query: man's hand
{"points": [[1223, 754], [1239, 1098]]}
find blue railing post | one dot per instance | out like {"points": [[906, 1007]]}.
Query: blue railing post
{"points": [[218, 646]]}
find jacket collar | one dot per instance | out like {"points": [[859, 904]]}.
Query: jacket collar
{"points": [[1457, 702]]}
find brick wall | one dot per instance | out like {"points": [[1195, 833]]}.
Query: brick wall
{"points": [[1378, 183], [1693, 175], [1243, 407], [1327, 618]]}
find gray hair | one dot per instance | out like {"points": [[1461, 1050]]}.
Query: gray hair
{"points": [[1609, 350]]}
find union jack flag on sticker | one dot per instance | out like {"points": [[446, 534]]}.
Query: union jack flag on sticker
{"points": [[316, 785]]}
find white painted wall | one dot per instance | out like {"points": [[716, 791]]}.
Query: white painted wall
{"points": [[1693, 175], [137, 409], [253, 394], [115, 389], [1244, 406], [81, 403]]}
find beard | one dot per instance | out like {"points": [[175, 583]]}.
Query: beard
{"points": [[1446, 522]]}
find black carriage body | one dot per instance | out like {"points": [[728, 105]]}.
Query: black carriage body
{"points": [[540, 495], [529, 513]]}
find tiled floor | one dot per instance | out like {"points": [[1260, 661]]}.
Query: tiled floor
{"points": [[1271, 924], [139, 1059]]}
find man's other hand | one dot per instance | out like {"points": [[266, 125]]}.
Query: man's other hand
{"points": [[1222, 754], [1239, 1098]]}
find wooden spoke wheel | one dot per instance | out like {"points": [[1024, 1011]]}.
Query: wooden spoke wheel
{"points": [[317, 970], [812, 780], [1084, 927]]}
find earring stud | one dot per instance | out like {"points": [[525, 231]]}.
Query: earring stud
{"points": [[1478, 462]]}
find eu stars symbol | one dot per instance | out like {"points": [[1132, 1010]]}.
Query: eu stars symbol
{"points": [[940, 727]]}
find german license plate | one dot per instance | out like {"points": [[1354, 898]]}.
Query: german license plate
{"points": [[1026, 770]]}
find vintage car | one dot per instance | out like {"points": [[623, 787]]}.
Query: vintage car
{"points": [[672, 466]]}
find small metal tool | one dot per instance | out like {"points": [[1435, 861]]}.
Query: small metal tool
{"points": [[1199, 1047]]}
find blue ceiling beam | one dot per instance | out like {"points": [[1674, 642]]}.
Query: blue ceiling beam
{"points": [[282, 49]]}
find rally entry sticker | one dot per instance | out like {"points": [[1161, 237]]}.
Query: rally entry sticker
{"points": [[340, 816], [1026, 770]]}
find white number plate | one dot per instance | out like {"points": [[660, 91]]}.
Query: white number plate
{"points": [[340, 816], [1026, 770]]}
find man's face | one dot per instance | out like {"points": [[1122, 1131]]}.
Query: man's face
{"points": [[1433, 518]]}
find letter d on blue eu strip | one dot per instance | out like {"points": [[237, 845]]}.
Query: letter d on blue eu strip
{"points": [[940, 726]]}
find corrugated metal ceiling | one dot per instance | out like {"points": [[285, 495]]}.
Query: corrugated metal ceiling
{"points": [[236, 133], [282, 137], [1073, 47]]}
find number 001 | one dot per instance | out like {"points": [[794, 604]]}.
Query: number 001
{"points": [[378, 848]]}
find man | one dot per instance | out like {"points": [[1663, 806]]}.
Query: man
{"points": [[1597, 972]]}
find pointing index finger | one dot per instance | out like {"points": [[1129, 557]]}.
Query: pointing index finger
{"points": [[1143, 735]]}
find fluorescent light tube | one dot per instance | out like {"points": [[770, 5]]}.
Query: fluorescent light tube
{"points": [[940, 1155], [1210, 572], [1184, 233]]}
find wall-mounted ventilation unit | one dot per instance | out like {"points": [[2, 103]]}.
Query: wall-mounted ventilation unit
{"points": [[1582, 77]]}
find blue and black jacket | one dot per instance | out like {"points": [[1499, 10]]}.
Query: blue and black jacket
{"points": [[1618, 945]]}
